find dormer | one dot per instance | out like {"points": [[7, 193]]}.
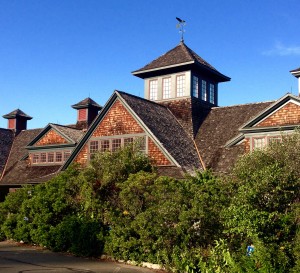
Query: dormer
{"points": [[87, 110], [181, 73], [17, 120]]}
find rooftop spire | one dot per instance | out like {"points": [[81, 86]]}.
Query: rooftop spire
{"points": [[181, 24]]}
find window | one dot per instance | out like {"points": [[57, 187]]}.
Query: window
{"points": [[104, 145], [66, 155], [50, 157], [58, 157], [94, 147], [180, 85], [153, 90], [212, 93], [274, 139], [141, 144], [128, 140], [166, 88], [203, 91], [259, 143], [43, 157], [116, 144], [195, 87], [35, 158]]}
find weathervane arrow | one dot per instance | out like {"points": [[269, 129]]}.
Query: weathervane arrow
{"points": [[181, 24]]}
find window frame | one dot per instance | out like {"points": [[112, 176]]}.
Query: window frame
{"points": [[180, 85], [166, 88], [153, 89]]}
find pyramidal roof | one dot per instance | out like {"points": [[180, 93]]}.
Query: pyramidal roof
{"points": [[17, 113], [86, 103], [178, 56]]}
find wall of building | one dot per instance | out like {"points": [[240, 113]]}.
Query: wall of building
{"points": [[287, 115], [50, 138]]}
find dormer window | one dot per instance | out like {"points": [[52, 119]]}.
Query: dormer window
{"points": [[180, 85], [153, 90], [166, 88]]}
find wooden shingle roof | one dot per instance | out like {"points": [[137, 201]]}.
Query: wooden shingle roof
{"points": [[221, 125], [6, 140], [181, 55]]}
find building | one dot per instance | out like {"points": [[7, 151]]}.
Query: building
{"points": [[178, 124]]}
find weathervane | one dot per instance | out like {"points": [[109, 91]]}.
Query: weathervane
{"points": [[181, 24]]}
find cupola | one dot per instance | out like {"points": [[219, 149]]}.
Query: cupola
{"points": [[185, 83], [181, 73], [87, 110], [17, 120]]}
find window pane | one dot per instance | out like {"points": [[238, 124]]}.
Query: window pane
{"points": [[141, 144], [58, 157], [94, 147], [180, 86], [116, 144], [35, 158], [275, 139], [203, 90], [211, 93], [128, 141], [43, 157], [104, 145], [259, 143], [153, 90], [166, 88], [66, 155], [50, 157], [195, 87]]}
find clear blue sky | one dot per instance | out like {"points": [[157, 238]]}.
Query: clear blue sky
{"points": [[54, 53]]}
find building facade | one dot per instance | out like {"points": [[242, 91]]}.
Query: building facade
{"points": [[178, 124]]}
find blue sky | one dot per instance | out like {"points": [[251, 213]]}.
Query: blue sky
{"points": [[54, 53]]}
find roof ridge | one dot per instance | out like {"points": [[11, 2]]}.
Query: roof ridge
{"points": [[243, 104]]}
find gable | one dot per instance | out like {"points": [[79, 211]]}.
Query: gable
{"points": [[288, 114], [51, 138], [119, 123]]}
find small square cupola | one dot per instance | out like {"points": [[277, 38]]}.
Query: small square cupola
{"points": [[87, 110], [17, 120]]}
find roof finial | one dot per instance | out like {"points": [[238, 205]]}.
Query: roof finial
{"points": [[181, 24]]}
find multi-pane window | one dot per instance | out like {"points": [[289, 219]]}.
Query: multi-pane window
{"points": [[259, 143], [180, 85], [43, 157], [94, 147], [67, 155], [104, 145], [166, 88], [58, 156], [50, 157], [35, 158], [115, 144], [195, 87], [128, 140], [203, 91], [212, 93], [274, 139], [153, 89]]}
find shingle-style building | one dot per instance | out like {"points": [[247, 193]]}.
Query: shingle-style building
{"points": [[178, 124]]}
